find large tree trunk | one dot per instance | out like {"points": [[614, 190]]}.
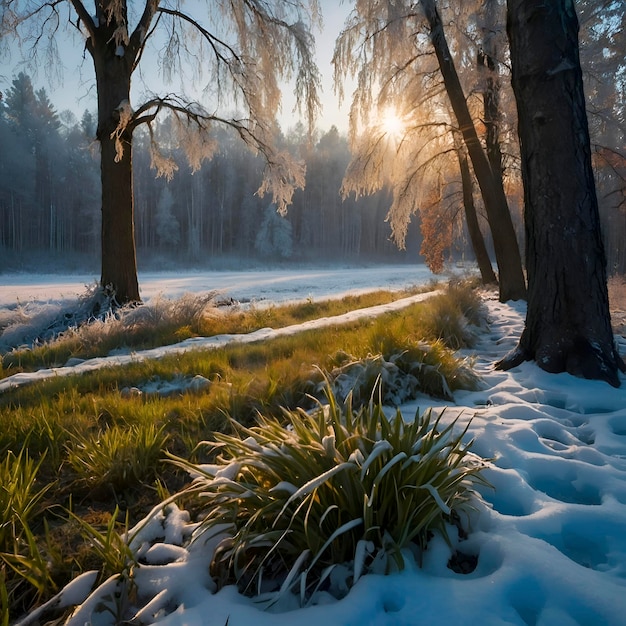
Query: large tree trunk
{"points": [[568, 325], [512, 284], [476, 237], [113, 73], [119, 265], [491, 113]]}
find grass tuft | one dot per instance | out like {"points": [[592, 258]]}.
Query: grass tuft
{"points": [[333, 486], [118, 457], [23, 567]]}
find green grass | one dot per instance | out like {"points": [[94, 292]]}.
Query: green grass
{"points": [[117, 457], [104, 449], [337, 485], [164, 322], [23, 566]]}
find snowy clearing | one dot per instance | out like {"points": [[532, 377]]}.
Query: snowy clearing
{"points": [[256, 286], [549, 539]]}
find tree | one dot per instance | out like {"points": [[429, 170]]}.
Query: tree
{"points": [[512, 285], [568, 324], [251, 44], [488, 64], [17, 171], [37, 124], [389, 45], [274, 238], [167, 226], [471, 218], [78, 173], [602, 45]]}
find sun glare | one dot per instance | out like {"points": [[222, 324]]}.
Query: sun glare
{"points": [[392, 124]]}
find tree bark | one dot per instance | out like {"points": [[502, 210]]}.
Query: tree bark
{"points": [[487, 63], [476, 237], [568, 324], [508, 258], [113, 68], [119, 264]]}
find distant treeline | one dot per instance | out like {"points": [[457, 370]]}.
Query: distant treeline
{"points": [[50, 196]]}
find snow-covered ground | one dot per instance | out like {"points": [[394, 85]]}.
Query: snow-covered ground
{"points": [[257, 285], [79, 366], [550, 539]]}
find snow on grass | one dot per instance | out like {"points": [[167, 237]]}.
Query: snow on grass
{"points": [[196, 343], [549, 539]]}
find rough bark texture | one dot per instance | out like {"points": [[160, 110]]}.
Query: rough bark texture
{"points": [[113, 67], [508, 258], [487, 62], [568, 324], [119, 265], [487, 274]]}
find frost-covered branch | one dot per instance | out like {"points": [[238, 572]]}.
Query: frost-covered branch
{"points": [[193, 128], [84, 17], [218, 46]]}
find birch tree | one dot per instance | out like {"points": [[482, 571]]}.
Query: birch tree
{"points": [[401, 57], [240, 49]]}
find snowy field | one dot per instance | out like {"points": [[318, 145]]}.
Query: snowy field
{"points": [[550, 539], [245, 286]]}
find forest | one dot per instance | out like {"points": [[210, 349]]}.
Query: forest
{"points": [[460, 117], [50, 197], [50, 184]]}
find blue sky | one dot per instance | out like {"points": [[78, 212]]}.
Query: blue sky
{"points": [[73, 88]]}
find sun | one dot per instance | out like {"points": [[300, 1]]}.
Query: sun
{"points": [[391, 123]]}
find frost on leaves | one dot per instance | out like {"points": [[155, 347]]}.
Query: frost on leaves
{"points": [[281, 177], [124, 114], [386, 47]]}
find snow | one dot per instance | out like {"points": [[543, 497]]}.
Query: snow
{"points": [[77, 366], [549, 538], [257, 285]]}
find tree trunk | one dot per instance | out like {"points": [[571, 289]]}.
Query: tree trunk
{"points": [[568, 324], [119, 263], [476, 237], [512, 285], [487, 63]]}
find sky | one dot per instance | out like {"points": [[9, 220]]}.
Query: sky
{"points": [[73, 88], [548, 536]]}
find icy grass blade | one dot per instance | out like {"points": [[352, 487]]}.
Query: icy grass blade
{"points": [[396, 459], [435, 494], [294, 571], [332, 507], [363, 548], [380, 447], [284, 486], [348, 526], [316, 482]]}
